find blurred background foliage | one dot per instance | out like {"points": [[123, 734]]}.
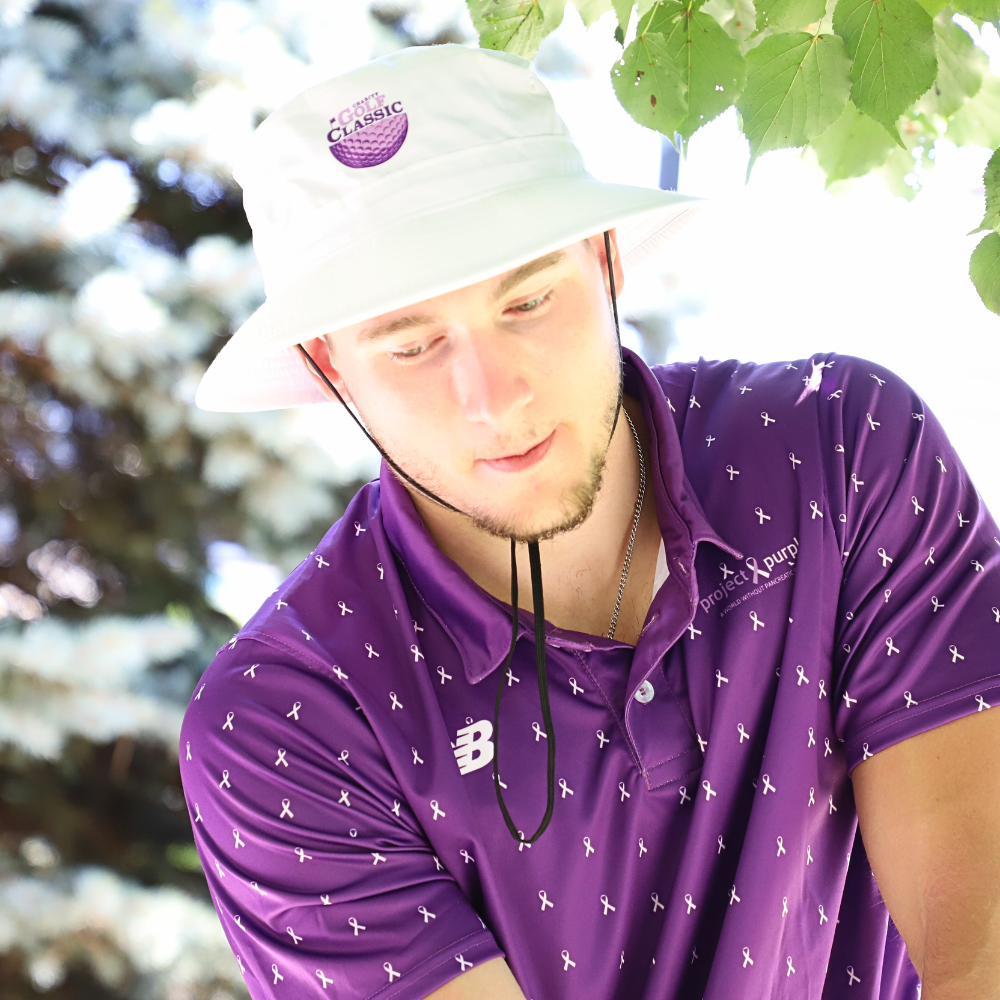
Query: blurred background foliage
{"points": [[125, 262]]}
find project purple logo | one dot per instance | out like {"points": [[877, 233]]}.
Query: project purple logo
{"points": [[368, 132]]}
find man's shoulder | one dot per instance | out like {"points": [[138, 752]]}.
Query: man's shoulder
{"points": [[708, 384], [342, 569], [307, 636], [312, 622]]}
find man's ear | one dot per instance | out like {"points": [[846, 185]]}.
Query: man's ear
{"points": [[318, 349], [597, 244]]}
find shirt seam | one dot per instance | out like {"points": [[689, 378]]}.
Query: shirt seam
{"points": [[652, 784], [614, 714], [677, 704], [937, 701], [301, 657], [826, 482]]}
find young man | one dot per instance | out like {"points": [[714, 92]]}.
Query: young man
{"points": [[768, 624]]}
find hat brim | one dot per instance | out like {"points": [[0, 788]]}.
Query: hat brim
{"points": [[259, 368]]}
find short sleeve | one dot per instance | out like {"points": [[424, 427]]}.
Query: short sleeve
{"points": [[917, 641], [321, 875]]}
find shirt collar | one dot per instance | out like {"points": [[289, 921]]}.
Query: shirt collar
{"points": [[477, 622]]}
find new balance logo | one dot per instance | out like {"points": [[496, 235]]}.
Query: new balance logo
{"points": [[472, 740]]}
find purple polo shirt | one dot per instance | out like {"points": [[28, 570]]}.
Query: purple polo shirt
{"points": [[834, 588]]}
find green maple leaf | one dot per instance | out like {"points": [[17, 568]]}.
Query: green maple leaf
{"points": [[984, 270], [623, 11], [797, 87], [961, 64], [991, 180], [977, 122], [743, 23], [789, 14], [891, 44], [738, 18], [516, 26], [980, 11], [648, 83], [592, 10], [852, 145], [708, 59]]}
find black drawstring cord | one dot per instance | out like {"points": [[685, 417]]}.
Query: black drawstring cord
{"points": [[621, 360], [535, 564], [322, 374], [543, 690], [536, 593]]}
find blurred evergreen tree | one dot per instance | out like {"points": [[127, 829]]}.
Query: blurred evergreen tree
{"points": [[125, 262]]}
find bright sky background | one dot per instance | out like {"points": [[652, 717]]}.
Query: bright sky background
{"points": [[783, 268]]}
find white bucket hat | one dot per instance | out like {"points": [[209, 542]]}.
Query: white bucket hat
{"points": [[420, 172]]}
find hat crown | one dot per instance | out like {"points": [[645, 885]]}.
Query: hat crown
{"points": [[319, 169], [423, 171]]}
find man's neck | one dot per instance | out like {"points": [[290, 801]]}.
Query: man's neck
{"points": [[581, 569]]}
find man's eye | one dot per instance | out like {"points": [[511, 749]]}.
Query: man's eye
{"points": [[533, 304], [410, 352]]}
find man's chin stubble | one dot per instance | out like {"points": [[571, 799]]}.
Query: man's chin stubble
{"points": [[578, 501], [577, 506]]}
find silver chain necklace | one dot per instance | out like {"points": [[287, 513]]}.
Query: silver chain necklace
{"points": [[635, 525]]}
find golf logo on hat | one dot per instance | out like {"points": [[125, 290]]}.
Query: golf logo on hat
{"points": [[368, 132]]}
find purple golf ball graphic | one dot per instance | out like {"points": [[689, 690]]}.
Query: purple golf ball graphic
{"points": [[372, 144]]}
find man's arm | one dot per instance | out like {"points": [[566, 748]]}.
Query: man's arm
{"points": [[490, 981], [929, 812], [298, 895]]}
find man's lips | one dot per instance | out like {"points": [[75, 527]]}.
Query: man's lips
{"points": [[515, 463]]}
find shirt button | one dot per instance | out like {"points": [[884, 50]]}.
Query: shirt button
{"points": [[644, 692]]}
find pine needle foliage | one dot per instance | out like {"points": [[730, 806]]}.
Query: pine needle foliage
{"points": [[125, 263]]}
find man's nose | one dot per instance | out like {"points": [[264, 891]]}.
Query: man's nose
{"points": [[487, 381]]}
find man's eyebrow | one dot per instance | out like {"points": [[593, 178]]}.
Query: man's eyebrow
{"points": [[510, 282], [525, 271], [393, 326]]}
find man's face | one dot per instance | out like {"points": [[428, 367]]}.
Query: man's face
{"points": [[500, 396]]}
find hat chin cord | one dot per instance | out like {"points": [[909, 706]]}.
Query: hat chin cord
{"points": [[535, 566]]}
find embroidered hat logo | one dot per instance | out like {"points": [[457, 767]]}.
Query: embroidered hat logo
{"points": [[368, 132]]}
